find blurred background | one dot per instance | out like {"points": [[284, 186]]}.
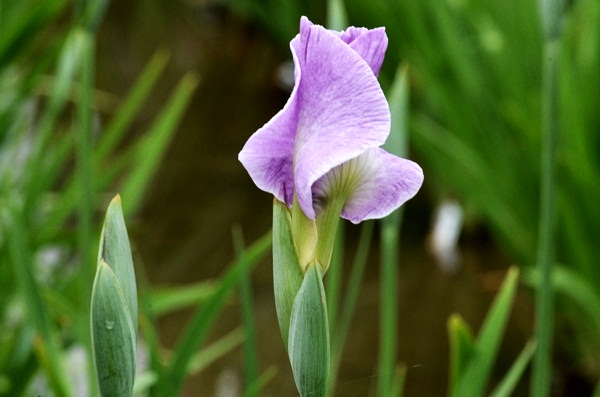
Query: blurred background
{"points": [[208, 74]]}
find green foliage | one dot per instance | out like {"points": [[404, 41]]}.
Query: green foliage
{"points": [[54, 164], [472, 359], [287, 277], [301, 309], [308, 344], [173, 374], [114, 308], [288, 13], [113, 334], [476, 115]]}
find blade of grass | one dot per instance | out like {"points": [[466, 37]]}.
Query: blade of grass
{"points": [[337, 18], [399, 381], [215, 350], [551, 13], [390, 240], [597, 390], [261, 381], [149, 152], [130, 107], [507, 385], [576, 288], [108, 142], [167, 299], [69, 63], [462, 347], [250, 350], [476, 375], [84, 166], [25, 21], [86, 194], [197, 329], [347, 310], [48, 351]]}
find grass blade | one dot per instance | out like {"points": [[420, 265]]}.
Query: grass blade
{"points": [[197, 330], [47, 349], [507, 385], [250, 350], [390, 240], [477, 374], [151, 149]]}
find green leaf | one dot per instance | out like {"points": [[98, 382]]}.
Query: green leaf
{"points": [[576, 288], [130, 106], [337, 17], [308, 344], [507, 385], [397, 142], [597, 390], [49, 353], [115, 250], [113, 335], [461, 347], [168, 299], [154, 144], [197, 330], [475, 378], [287, 276]]}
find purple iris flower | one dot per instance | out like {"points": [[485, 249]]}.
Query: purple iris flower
{"points": [[324, 145]]}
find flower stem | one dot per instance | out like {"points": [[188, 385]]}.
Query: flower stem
{"points": [[551, 11]]}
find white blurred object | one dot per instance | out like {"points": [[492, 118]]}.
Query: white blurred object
{"points": [[285, 76], [228, 384], [443, 239]]}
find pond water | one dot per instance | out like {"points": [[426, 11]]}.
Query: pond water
{"points": [[183, 233]]}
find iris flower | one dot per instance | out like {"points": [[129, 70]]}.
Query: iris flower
{"points": [[321, 153]]}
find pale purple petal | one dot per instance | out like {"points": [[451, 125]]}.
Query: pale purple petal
{"points": [[369, 44], [268, 153], [383, 183], [343, 111]]}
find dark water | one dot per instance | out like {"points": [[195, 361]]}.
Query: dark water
{"points": [[183, 234]]}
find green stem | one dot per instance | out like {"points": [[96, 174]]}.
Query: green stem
{"points": [[250, 350], [84, 170], [344, 319], [333, 281], [390, 236], [542, 367], [49, 351]]}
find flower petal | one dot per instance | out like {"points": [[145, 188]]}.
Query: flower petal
{"points": [[342, 109], [369, 44], [382, 181], [268, 153]]}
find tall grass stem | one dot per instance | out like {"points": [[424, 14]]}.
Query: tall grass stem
{"points": [[550, 11], [250, 349], [397, 144], [86, 196]]}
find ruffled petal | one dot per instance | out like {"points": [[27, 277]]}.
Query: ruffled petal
{"points": [[268, 153], [370, 44], [342, 110], [381, 183]]}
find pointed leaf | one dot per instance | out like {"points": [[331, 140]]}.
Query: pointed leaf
{"points": [[308, 344], [113, 337], [507, 385], [461, 347], [476, 375], [115, 250], [287, 276]]}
